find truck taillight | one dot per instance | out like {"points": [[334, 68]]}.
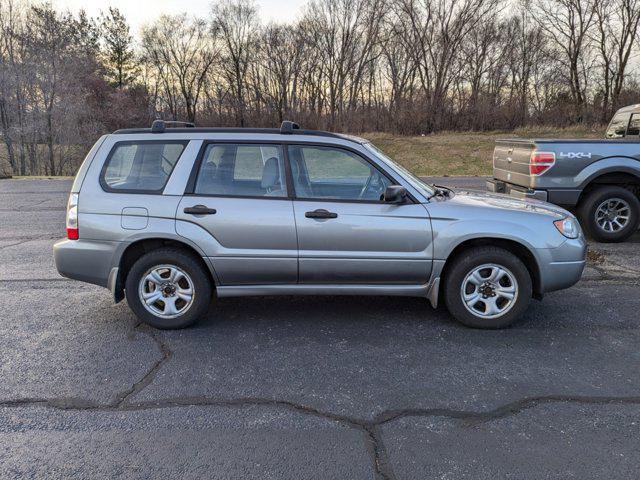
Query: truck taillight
{"points": [[72, 217], [540, 162]]}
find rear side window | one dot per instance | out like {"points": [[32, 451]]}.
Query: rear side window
{"points": [[238, 170], [142, 167], [634, 126], [618, 126]]}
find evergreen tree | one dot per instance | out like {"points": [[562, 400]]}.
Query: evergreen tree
{"points": [[118, 48]]}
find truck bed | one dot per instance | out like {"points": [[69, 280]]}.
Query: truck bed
{"points": [[576, 162]]}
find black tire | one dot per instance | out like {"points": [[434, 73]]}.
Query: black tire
{"points": [[469, 260], [202, 288], [590, 204]]}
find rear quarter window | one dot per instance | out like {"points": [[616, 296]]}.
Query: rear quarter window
{"points": [[140, 167]]}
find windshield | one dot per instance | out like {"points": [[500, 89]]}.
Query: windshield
{"points": [[408, 176]]}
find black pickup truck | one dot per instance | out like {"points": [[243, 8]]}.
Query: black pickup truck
{"points": [[600, 179]]}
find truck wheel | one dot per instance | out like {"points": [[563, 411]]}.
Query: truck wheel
{"points": [[487, 287], [168, 288], [609, 213]]}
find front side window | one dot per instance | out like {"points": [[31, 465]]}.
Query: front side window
{"points": [[618, 126], [242, 171], [332, 173], [140, 166]]}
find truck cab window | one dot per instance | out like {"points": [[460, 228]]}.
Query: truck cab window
{"points": [[618, 126], [634, 126]]}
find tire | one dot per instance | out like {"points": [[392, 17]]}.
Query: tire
{"points": [[172, 274], [484, 313], [589, 211]]}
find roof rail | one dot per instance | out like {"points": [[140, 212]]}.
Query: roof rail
{"points": [[159, 126], [287, 127]]}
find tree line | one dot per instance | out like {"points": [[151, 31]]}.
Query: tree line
{"points": [[401, 66]]}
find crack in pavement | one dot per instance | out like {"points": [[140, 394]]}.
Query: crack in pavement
{"points": [[26, 239], [370, 428], [151, 374]]}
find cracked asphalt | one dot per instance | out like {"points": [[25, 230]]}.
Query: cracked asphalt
{"points": [[306, 388]]}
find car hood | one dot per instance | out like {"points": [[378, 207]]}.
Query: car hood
{"points": [[505, 202]]}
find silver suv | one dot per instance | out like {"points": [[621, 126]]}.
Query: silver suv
{"points": [[168, 216]]}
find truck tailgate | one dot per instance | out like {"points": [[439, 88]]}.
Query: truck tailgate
{"points": [[511, 161]]}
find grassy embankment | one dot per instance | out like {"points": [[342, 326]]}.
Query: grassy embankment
{"points": [[455, 153]]}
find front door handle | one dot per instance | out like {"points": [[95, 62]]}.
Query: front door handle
{"points": [[321, 213], [200, 210]]}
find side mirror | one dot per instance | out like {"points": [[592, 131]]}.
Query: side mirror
{"points": [[394, 194]]}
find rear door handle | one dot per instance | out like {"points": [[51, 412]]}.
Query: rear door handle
{"points": [[321, 213], [200, 210]]}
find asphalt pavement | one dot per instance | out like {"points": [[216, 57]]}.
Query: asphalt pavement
{"points": [[309, 387]]}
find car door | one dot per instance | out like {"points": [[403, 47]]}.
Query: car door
{"points": [[238, 196], [346, 233]]}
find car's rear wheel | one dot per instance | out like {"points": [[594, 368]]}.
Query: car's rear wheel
{"points": [[168, 288], [487, 287], [610, 213]]}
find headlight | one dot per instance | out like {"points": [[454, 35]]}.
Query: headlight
{"points": [[569, 227]]}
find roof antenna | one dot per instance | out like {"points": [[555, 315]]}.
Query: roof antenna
{"points": [[288, 127]]}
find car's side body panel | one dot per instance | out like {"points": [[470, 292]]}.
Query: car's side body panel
{"points": [[251, 240], [373, 243]]}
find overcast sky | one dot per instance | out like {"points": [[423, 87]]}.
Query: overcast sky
{"points": [[139, 12]]}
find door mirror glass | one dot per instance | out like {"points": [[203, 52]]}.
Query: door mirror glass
{"points": [[395, 194]]}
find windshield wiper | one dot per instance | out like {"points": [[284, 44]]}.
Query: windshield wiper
{"points": [[440, 191]]}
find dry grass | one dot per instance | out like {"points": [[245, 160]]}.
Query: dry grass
{"points": [[455, 153]]}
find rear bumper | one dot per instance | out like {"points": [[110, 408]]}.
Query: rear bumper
{"points": [[85, 260], [560, 196], [498, 186]]}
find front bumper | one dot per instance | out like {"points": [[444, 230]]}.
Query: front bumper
{"points": [[498, 186], [85, 260], [562, 267]]}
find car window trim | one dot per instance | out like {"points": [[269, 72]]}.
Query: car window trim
{"points": [[195, 171], [107, 188], [291, 194], [389, 177]]}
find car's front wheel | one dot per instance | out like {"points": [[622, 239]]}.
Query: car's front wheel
{"points": [[168, 288], [487, 287]]}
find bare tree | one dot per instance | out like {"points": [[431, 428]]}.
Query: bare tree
{"points": [[237, 23], [567, 24], [617, 22], [182, 50]]}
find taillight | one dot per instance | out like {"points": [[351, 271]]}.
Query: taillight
{"points": [[540, 162], [72, 217]]}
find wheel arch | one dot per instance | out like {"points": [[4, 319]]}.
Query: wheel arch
{"points": [[518, 249], [623, 176], [136, 249]]}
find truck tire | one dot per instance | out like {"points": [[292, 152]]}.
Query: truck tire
{"points": [[168, 288], [609, 213], [487, 287]]}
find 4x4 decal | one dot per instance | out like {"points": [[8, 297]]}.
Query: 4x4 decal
{"points": [[574, 155]]}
